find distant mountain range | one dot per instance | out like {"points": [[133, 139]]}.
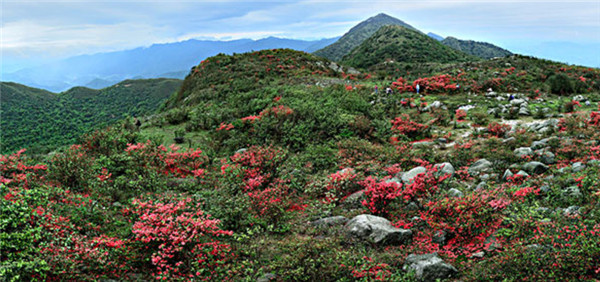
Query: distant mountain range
{"points": [[174, 60], [170, 60]]}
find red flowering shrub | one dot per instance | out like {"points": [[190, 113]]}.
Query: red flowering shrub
{"points": [[168, 161], [341, 184], [468, 220], [497, 129], [270, 203], [368, 270], [380, 194], [423, 186], [460, 115], [411, 129], [594, 119], [253, 169], [180, 240], [13, 169]]}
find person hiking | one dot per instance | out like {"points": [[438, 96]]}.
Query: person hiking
{"points": [[376, 90], [418, 88], [137, 123]]}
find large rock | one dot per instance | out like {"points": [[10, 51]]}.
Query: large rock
{"points": [[544, 126], [354, 200], [572, 193], [480, 166], [435, 105], [577, 167], [377, 230], [546, 157], [523, 152], [455, 193], [535, 167], [408, 176], [517, 102], [429, 267], [444, 169], [507, 175]]}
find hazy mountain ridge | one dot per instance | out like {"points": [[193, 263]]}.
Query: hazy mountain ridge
{"points": [[480, 49], [172, 60]]}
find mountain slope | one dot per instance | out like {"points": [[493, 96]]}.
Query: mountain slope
{"points": [[480, 49], [36, 118], [401, 44], [356, 35], [159, 60]]}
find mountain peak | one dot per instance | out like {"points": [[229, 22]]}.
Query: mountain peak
{"points": [[402, 44], [357, 34]]}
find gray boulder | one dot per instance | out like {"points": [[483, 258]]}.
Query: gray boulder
{"points": [[408, 176], [354, 200], [572, 193], [435, 105], [444, 169], [455, 193], [507, 174], [377, 230], [535, 167], [536, 145], [523, 152], [572, 211], [429, 267], [577, 167], [480, 166], [546, 157]]}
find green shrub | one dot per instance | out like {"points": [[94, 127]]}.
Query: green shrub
{"points": [[560, 84]]}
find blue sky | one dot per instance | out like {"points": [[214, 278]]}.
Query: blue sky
{"points": [[38, 31]]}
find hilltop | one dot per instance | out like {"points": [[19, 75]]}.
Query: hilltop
{"points": [[400, 44], [480, 49], [281, 164], [42, 120], [357, 35]]}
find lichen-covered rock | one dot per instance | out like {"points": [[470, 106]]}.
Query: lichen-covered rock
{"points": [[377, 230], [480, 166], [429, 267], [535, 167], [408, 176]]}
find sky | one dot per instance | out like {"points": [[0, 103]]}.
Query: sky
{"points": [[42, 31]]}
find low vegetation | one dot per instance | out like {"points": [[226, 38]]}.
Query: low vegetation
{"points": [[272, 144]]}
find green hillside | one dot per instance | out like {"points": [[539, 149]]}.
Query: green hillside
{"points": [[480, 49], [281, 166], [357, 35], [400, 44], [41, 120]]}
